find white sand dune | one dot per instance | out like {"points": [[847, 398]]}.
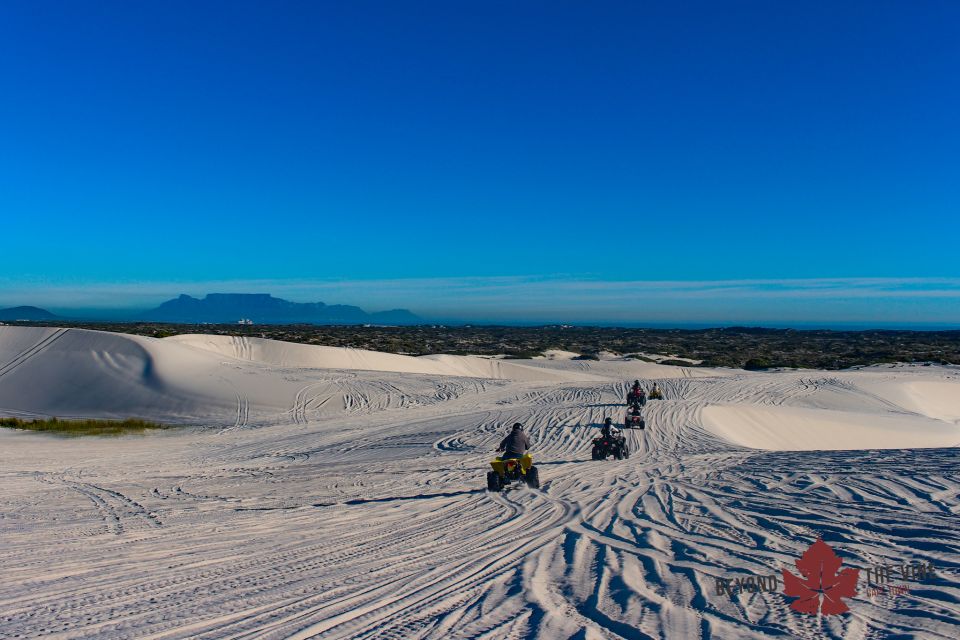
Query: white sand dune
{"points": [[940, 400], [340, 495], [287, 354], [795, 429], [75, 373], [933, 398]]}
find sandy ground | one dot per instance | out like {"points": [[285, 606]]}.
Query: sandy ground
{"points": [[330, 493]]}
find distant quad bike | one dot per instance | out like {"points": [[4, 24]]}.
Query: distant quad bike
{"points": [[636, 399], [512, 471], [634, 421], [612, 445], [656, 394]]}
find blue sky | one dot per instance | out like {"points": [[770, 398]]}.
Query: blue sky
{"points": [[605, 159]]}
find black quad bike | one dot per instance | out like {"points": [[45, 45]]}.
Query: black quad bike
{"points": [[512, 471], [636, 399], [612, 445]]}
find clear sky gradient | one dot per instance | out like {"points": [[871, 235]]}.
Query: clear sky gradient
{"points": [[606, 159]]}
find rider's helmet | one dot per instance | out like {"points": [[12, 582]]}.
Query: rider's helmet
{"points": [[608, 421], [636, 383], [517, 425]]}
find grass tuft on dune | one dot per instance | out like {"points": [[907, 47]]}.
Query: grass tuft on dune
{"points": [[75, 428]]}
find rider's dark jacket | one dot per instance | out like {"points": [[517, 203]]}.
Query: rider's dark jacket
{"points": [[515, 444]]}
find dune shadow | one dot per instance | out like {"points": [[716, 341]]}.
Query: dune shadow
{"points": [[599, 425], [423, 496], [589, 425]]}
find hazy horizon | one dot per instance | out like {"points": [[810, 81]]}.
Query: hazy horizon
{"points": [[827, 303]]}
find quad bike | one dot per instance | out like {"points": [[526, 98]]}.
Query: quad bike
{"points": [[512, 470], [606, 446], [656, 394], [634, 421], [636, 400]]}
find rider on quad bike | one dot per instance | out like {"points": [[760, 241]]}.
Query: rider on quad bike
{"points": [[656, 393], [610, 443], [515, 464], [636, 397]]}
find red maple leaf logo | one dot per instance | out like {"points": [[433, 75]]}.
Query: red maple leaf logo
{"points": [[819, 565]]}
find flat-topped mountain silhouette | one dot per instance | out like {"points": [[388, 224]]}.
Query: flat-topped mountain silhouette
{"points": [[263, 308]]}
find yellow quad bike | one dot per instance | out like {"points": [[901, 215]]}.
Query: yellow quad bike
{"points": [[655, 394], [512, 470]]}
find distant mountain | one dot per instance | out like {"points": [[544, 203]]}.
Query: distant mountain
{"points": [[262, 308], [26, 313]]}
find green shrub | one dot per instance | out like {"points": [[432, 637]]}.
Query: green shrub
{"points": [[75, 428], [522, 355], [757, 364]]}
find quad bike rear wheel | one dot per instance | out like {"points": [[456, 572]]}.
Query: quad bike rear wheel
{"points": [[532, 478], [493, 482]]}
